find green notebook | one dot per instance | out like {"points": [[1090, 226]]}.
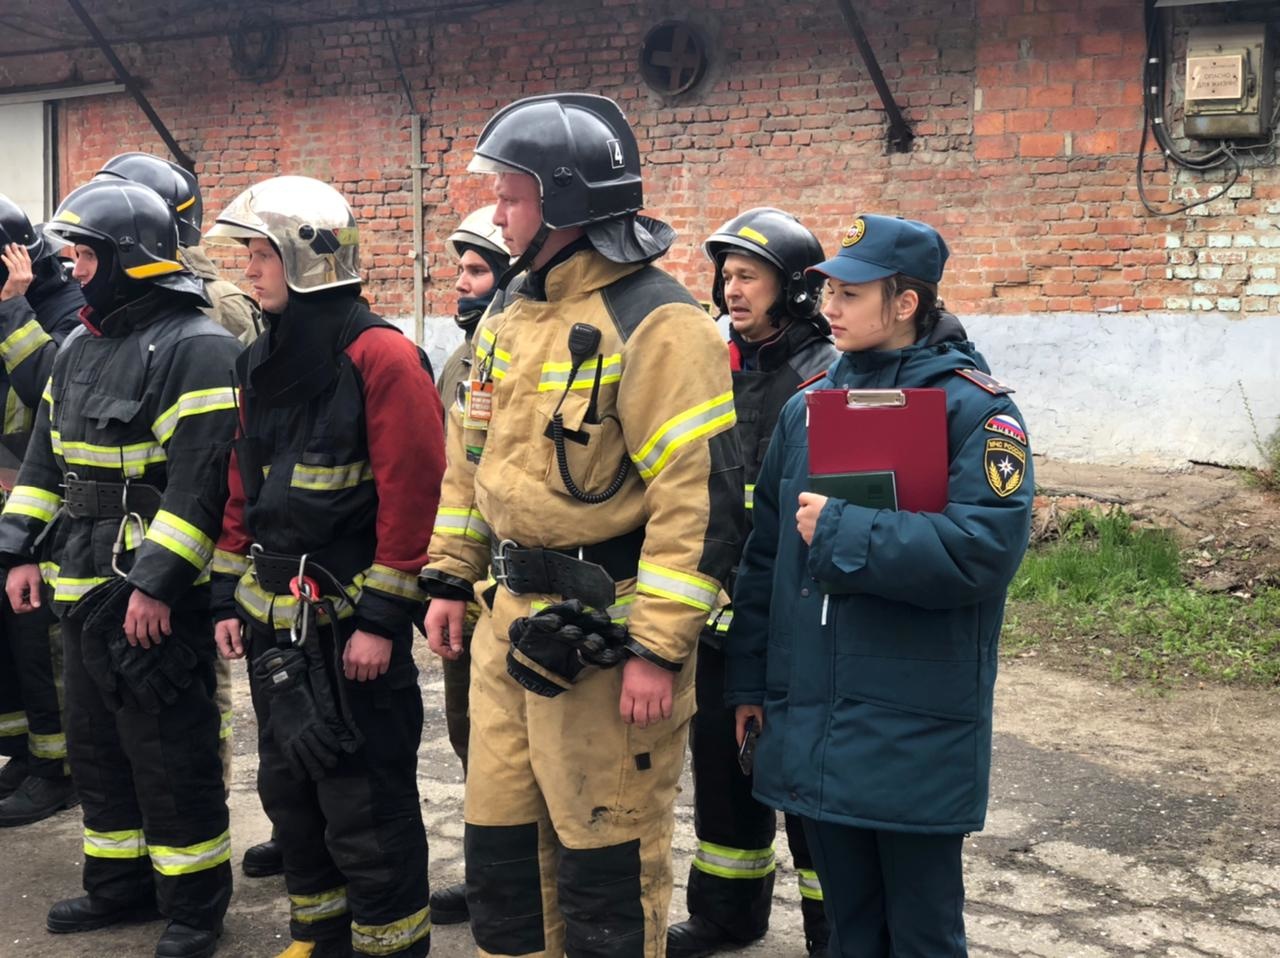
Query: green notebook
{"points": [[875, 490]]}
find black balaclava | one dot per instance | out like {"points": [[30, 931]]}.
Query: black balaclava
{"points": [[100, 291], [471, 308]]}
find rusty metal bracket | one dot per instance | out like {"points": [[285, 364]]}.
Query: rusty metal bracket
{"points": [[132, 86], [900, 135]]}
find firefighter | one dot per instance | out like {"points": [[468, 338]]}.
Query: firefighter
{"points": [[336, 475], [230, 307], [594, 501], [777, 340], [130, 441], [39, 307], [239, 315], [477, 248]]}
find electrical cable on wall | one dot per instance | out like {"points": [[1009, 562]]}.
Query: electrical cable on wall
{"points": [[1154, 124]]}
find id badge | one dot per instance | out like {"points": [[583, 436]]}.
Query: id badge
{"points": [[478, 409]]}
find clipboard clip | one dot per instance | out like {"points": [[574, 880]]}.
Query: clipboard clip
{"points": [[875, 398]]}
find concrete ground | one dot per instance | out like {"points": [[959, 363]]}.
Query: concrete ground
{"points": [[1123, 823]]}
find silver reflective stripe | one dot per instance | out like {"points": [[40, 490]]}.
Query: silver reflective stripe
{"points": [[132, 459], [393, 937], [192, 404], [556, 375], [810, 887], [73, 590], [127, 843], [309, 909], [230, 563], [725, 862], [47, 746], [32, 501], [13, 723], [331, 478], [19, 345], [680, 586], [708, 417], [181, 538], [750, 496], [462, 522], [394, 582], [188, 859]]}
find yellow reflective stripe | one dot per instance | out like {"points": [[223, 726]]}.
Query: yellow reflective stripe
{"points": [[17, 417], [556, 375], [147, 270], [47, 746], [127, 843], [721, 619], [277, 610], [189, 859], [749, 492], [312, 908], [618, 613], [230, 563], [20, 344], [462, 522], [501, 359], [392, 937], [725, 862], [13, 723], [132, 459], [710, 416], [192, 404], [32, 501], [47, 395], [393, 582], [347, 476], [225, 724], [181, 538], [49, 572], [680, 586], [810, 887], [73, 590]]}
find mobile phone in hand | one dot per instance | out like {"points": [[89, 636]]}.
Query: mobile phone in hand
{"points": [[747, 750]]}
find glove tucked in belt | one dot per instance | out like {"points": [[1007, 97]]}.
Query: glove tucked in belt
{"points": [[549, 650]]}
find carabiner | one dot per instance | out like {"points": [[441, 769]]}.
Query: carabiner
{"points": [[119, 547]]}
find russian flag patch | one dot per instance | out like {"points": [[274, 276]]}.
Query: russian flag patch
{"points": [[1007, 426]]}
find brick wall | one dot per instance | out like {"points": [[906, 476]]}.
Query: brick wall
{"points": [[1027, 115]]}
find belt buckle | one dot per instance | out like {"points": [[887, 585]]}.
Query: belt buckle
{"points": [[502, 564], [67, 479]]}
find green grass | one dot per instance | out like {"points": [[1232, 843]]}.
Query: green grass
{"points": [[1110, 598]]}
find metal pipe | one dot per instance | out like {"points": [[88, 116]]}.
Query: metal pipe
{"points": [[900, 135], [132, 86], [419, 259]]}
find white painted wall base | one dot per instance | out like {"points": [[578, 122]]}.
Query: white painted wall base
{"points": [[1152, 390]]}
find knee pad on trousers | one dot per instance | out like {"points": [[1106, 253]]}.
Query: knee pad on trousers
{"points": [[504, 888], [600, 900]]}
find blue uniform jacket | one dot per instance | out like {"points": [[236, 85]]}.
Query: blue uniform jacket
{"points": [[878, 715]]}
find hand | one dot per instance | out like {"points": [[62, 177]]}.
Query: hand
{"points": [[146, 620], [443, 626], [807, 515], [366, 656], [23, 587], [228, 636], [646, 692], [18, 262], [740, 716]]}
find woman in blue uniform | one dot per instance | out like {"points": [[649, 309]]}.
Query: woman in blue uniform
{"points": [[864, 640]]}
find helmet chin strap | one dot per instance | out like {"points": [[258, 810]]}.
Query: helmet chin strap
{"points": [[530, 253]]}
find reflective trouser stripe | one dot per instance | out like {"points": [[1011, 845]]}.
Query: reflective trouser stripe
{"points": [[47, 746], [13, 723], [187, 859], [127, 843], [810, 887], [725, 862], [224, 726], [392, 937], [309, 909]]}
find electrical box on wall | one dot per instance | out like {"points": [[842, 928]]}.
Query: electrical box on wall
{"points": [[1230, 81]]}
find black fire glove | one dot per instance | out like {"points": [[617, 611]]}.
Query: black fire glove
{"points": [[301, 731], [550, 649], [143, 679]]}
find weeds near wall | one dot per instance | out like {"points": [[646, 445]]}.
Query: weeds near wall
{"points": [[1266, 476]]}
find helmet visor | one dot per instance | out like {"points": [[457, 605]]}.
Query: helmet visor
{"points": [[487, 164]]}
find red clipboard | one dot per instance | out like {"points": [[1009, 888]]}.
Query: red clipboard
{"points": [[901, 431]]}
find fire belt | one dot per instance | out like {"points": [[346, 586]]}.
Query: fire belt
{"points": [[314, 586], [91, 499], [586, 573]]}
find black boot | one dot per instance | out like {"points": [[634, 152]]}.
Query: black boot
{"points": [[183, 941], [696, 938], [263, 859], [449, 905], [816, 931], [36, 799], [12, 775], [88, 913]]}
